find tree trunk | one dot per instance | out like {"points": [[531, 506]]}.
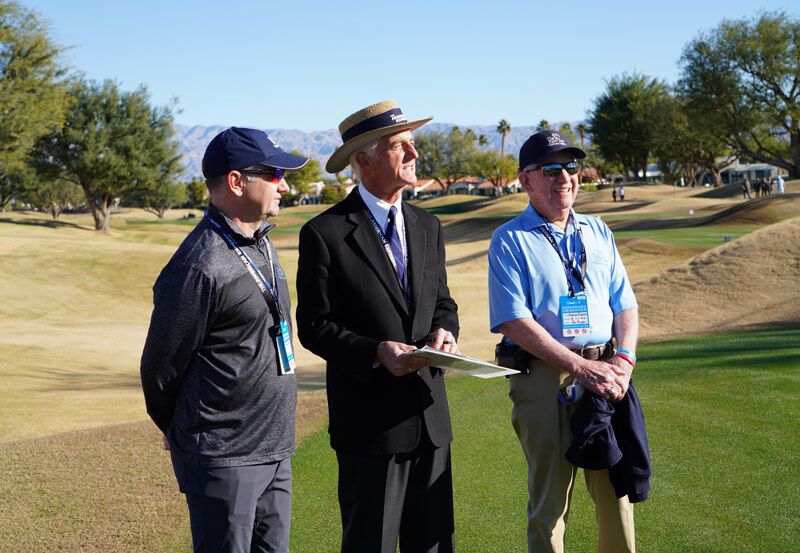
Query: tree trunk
{"points": [[101, 212], [717, 174]]}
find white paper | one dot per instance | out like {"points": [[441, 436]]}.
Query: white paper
{"points": [[462, 363]]}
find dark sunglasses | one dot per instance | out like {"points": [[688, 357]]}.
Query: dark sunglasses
{"points": [[554, 169], [273, 174]]}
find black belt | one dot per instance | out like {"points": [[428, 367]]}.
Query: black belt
{"points": [[514, 357]]}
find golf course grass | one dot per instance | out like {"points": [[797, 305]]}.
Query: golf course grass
{"points": [[82, 468]]}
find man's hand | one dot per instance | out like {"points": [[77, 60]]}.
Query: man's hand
{"points": [[165, 441], [443, 340], [394, 357], [607, 379]]}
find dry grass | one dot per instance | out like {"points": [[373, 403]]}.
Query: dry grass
{"points": [[751, 281]]}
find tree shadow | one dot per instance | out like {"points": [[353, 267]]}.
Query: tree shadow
{"points": [[44, 223]]}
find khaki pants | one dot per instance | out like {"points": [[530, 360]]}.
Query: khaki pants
{"points": [[542, 425]]}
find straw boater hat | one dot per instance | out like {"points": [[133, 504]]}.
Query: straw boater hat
{"points": [[367, 125]]}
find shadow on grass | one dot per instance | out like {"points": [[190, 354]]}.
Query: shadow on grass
{"points": [[470, 230], [458, 208], [44, 223], [741, 349]]}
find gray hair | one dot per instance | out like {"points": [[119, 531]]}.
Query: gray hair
{"points": [[368, 149]]}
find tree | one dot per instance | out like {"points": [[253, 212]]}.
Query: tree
{"points": [[743, 79], [195, 192], [543, 125], [566, 130], [32, 89], [622, 121], [446, 158], [503, 127], [332, 194], [582, 129], [159, 199], [483, 141], [299, 180], [496, 169], [51, 195], [113, 143]]}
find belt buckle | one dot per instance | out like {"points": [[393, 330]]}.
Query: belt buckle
{"points": [[585, 350]]}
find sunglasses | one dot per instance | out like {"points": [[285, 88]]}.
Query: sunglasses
{"points": [[554, 169], [273, 174]]}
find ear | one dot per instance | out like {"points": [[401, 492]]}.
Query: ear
{"points": [[236, 183], [524, 180], [362, 159]]}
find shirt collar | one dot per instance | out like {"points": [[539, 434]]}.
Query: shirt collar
{"points": [[234, 229], [380, 209], [531, 219]]}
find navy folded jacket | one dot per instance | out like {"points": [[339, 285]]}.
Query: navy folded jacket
{"points": [[613, 436]]}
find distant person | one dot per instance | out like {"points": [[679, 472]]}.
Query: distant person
{"points": [[614, 194], [757, 187], [779, 185], [559, 294], [746, 189], [621, 193], [218, 368], [372, 288], [768, 186]]}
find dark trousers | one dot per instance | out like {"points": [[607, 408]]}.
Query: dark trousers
{"points": [[238, 509], [407, 496]]}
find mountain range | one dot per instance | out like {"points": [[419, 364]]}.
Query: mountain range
{"points": [[319, 145]]}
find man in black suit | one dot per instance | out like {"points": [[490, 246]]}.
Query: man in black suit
{"points": [[372, 287]]}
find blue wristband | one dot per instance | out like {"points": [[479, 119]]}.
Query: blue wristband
{"points": [[628, 353]]}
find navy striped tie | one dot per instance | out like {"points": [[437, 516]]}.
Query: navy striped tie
{"points": [[397, 250]]}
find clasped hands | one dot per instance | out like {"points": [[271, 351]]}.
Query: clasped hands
{"points": [[394, 355], [609, 379]]}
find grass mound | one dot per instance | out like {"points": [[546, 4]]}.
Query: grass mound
{"points": [[750, 281]]}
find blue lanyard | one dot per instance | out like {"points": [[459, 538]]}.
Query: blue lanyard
{"points": [[569, 264], [261, 281], [385, 242]]}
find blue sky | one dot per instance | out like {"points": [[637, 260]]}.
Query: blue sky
{"points": [[307, 65]]}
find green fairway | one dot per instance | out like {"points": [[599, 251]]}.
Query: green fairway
{"points": [[708, 236], [722, 421]]}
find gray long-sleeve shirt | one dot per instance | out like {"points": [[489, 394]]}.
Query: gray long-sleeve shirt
{"points": [[209, 368]]}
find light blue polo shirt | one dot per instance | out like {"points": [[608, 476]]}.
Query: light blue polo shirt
{"points": [[527, 276]]}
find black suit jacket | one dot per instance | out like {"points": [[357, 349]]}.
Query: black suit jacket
{"points": [[349, 301]]}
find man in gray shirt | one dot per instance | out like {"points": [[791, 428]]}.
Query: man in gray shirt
{"points": [[218, 368]]}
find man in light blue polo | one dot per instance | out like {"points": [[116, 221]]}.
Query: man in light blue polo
{"points": [[559, 293]]}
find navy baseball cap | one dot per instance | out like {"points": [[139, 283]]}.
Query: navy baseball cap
{"points": [[237, 148], [543, 144]]}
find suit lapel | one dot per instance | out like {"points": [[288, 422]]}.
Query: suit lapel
{"points": [[366, 239], [415, 239]]}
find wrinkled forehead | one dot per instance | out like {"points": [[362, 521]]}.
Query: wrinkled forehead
{"points": [[397, 138]]}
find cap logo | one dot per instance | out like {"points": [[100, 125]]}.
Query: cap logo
{"points": [[555, 140]]}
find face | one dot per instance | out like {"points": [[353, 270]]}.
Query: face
{"points": [[263, 196], [394, 165], [552, 197]]}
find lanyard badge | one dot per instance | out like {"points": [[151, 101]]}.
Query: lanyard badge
{"points": [[578, 312], [283, 337], [283, 341], [575, 316]]}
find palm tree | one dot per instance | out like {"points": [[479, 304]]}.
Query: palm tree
{"points": [[582, 129], [483, 141], [503, 127], [543, 125]]}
